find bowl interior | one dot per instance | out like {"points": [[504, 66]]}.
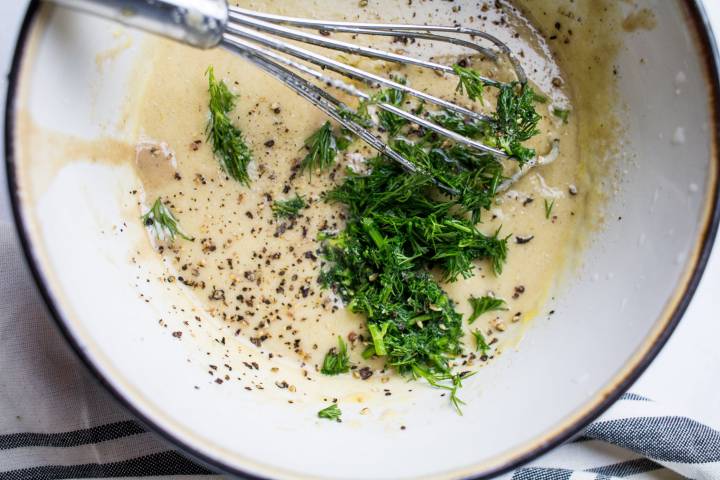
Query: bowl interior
{"points": [[610, 315]]}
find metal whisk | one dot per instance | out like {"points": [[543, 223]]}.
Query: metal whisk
{"points": [[263, 40]]}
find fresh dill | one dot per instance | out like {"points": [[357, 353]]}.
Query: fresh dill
{"points": [[389, 121], [469, 82], [549, 208], [561, 113], [288, 208], [322, 149], [163, 223], [400, 226], [337, 360], [455, 381], [331, 413], [359, 116], [516, 120], [483, 305], [480, 344], [228, 143]]}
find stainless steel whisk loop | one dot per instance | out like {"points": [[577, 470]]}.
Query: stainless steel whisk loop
{"points": [[271, 43]]}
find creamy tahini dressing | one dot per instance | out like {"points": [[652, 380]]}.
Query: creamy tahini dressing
{"points": [[257, 276]]}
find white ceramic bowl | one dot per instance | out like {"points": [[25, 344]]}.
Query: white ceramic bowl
{"points": [[80, 236]]}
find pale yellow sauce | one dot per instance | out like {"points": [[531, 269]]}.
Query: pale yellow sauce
{"points": [[258, 276]]}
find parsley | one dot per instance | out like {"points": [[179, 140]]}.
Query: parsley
{"points": [[337, 360], [483, 305], [469, 81], [322, 149], [288, 208], [228, 143], [562, 114], [480, 343], [548, 208], [163, 223], [331, 413]]}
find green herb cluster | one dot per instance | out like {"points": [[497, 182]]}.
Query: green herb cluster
{"points": [[330, 413], [322, 149], [163, 223], [337, 360], [399, 227], [480, 344], [228, 143], [470, 82], [483, 305], [403, 227], [288, 208], [514, 122]]}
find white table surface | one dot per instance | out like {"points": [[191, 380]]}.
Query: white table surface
{"points": [[687, 370]]}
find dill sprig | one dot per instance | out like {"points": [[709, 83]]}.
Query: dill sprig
{"points": [[322, 149], [549, 208], [469, 82], [288, 208], [163, 223], [389, 121], [561, 113], [480, 344], [455, 384], [483, 305], [516, 120], [228, 143], [337, 360], [331, 413]]}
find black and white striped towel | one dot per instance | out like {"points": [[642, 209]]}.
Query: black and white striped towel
{"points": [[56, 422]]}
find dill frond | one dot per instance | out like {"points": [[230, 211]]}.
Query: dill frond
{"points": [[469, 82], [228, 143], [330, 413], [337, 360], [288, 208], [480, 344], [483, 305], [322, 149], [163, 223]]}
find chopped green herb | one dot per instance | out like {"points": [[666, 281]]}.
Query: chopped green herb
{"points": [[469, 82], [483, 305], [377, 334], [322, 149], [360, 116], [516, 120], [331, 413], [455, 384], [337, 360], [480, 343], [390, 122], [561, 114], [163, 223], [549, 208], [540, 98], [399, 226], [228, 143], [288, 208]]}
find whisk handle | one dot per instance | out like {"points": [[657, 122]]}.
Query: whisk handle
{"points": [[199, 23]]}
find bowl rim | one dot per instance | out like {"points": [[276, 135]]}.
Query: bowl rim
{"points": [[698, 22]]}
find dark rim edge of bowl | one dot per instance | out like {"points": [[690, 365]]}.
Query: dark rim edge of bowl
{"points": [[697, 19]]}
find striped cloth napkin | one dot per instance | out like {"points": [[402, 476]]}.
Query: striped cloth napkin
{"points": [[57, 422]]}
